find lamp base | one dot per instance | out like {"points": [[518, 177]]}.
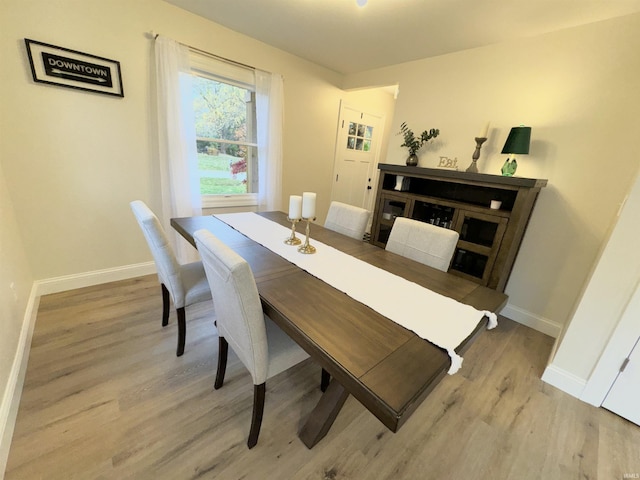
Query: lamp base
{"points": [[509, 167]]}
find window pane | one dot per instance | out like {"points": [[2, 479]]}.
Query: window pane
{"points": [[225, 169], [220, 110], [225, 126]]}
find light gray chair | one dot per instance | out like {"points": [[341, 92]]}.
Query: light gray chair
{"points": [[264, 349], [185, 285], [347, 219], [423, 242]]}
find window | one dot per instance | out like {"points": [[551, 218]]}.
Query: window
{"points": [[224, 104], [359, 137]]}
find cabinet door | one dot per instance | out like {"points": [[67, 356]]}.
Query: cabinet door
{"points": [[480, 238], [434, 213], [391, 206]]}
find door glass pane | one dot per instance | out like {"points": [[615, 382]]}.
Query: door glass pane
{"points": [[478, 231], [437, 215], [392, 209], [360, 137], [351, 143], [383, 234], [369, 132], [468, 262]]}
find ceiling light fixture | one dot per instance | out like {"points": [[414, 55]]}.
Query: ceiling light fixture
{"points": [[361, 3]]}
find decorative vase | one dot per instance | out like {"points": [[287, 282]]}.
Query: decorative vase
{"points": [[412, 160]]}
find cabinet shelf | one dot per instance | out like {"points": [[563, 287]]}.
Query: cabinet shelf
{"points": [[473, 247], [489, 239]]}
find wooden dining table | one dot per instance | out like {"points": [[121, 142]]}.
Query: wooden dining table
{"points": [[387, 368]]}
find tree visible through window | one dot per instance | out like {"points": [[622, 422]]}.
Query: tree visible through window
{"points": [[226, 138]]}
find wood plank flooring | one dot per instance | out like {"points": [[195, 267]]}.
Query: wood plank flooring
{"points": [[105, 397]]}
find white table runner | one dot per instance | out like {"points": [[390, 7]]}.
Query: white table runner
{"points": [[441, 320]]}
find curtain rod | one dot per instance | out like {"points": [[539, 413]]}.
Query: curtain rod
{"points": [[155, 35]]}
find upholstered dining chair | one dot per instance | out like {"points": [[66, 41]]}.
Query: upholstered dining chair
{"points": [[347, 219], [264, 349], [185, 285], [423, 242]]}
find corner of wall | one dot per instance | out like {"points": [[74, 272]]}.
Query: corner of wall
{"points": [[563, 380], [531, 320], [13, 391]]}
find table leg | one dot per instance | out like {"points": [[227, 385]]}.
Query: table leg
{"points": [[324, 413]]}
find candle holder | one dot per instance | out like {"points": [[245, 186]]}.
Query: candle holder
{"points": [[476, 155], [306, 248], [293, 240]]}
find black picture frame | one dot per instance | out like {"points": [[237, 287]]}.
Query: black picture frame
{"points": [[72, 69]]}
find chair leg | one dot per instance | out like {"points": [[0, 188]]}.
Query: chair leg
{"points": [[165, 305], [256, 417], [223, 348], [182, 330], [324, 380]]}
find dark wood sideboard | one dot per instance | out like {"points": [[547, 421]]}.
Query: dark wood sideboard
{"points": [[489, 238]]}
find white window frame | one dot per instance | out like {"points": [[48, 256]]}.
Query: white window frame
{"points": [[243, 77]]}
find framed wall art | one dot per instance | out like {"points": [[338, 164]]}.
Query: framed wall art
{"points": [[69, 68]]}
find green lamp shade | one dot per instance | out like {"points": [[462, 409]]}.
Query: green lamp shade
{"points": [[518, 140]]}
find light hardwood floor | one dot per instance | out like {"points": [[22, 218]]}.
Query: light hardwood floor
{"points": [[105, 397]]}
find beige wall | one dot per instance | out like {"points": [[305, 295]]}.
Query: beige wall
{"points": [[578, 90], [73, 160], [15, 288]]}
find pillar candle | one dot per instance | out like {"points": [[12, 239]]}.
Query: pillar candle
{"points": [[485, 132], [308, 205], [295, 207]]}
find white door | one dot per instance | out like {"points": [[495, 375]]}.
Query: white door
{"points": [[357, 150], [624, 396]]}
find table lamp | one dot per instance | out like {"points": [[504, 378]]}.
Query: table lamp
{"points": [[517, 143]]}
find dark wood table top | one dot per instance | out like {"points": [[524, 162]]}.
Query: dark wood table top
{"points": [[388, 368]]}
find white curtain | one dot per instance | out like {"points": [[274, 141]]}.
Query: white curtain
{"points": [[180, 183], [270, 118]]}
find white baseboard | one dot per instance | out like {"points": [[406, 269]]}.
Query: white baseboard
{"points": [[563, 380], [96, 277], [13, 390], [541, 324]]}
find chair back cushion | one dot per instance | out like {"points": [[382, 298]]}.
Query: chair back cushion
{"points": [[347, 219], [423, 242], [166, 264], [238, 309]]}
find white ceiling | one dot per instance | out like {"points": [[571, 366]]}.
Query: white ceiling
{"points": [[341, 36]]}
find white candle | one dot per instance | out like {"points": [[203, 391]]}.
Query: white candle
{"points": [[308, 205], [295, 207], [485, 132]]}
